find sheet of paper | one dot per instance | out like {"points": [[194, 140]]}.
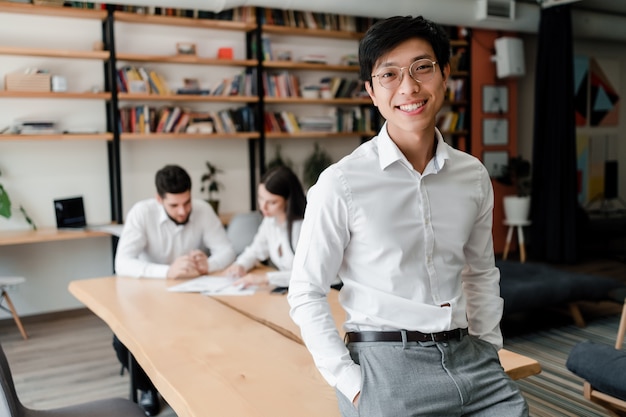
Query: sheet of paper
{"points": [[212, 285], [203, 283], [232, 290]]}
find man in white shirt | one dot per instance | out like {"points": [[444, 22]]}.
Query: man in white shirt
{"points": [[406, 222], [169, 237]]}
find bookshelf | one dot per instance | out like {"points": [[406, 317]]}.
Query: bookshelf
{"points": [[148, 42], [454, 120], [323, 88]]}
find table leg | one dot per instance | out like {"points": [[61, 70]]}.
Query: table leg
{"points": [[507, 244], [522, 246], [132, 371]]}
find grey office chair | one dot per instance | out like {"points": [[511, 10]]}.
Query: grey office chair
{"points": [[10, 405], [242, 228]]}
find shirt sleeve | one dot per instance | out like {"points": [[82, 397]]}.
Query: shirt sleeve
{"points": [[319, 255], [258, 250], [215, 239], [130, 245], [481, 278]]}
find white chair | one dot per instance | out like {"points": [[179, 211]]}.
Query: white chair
{"points": [[242, 228], [6, 282]]}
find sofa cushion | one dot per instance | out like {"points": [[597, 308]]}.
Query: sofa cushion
{"points": [[528, 286], [603, 366]]}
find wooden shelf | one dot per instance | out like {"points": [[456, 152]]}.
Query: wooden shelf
{"points": [[335, 101], [186, 97], [183, 136], [51, 94], [20, 237], [54, 53], [186, 59], [305, 135], [291, 65], [184, 21], [59, 136], [52, 11], [318, 33]]}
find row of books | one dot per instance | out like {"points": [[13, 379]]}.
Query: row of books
{"points": [[451, 121], [456, 89], [238, 14], [131, 79], [338, 119], [285, 84], [147, 119], [316, 20]]}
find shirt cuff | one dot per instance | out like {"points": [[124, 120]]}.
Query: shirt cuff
{"points": [[349, 383]]}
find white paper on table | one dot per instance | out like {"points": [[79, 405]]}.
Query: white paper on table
{"points": [[212, 285]]}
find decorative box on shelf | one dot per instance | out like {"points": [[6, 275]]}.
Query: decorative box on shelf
{"points": [[27, 82]]}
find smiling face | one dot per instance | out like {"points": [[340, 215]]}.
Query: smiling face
{"points": [[271, 205], [411, 107]]}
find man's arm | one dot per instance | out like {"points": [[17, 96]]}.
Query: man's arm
{"points": [[131, 244], [319, 255], [481, 278]]}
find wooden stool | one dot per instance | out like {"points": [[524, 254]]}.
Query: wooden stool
{"points": [[520, 238], [4, 283]]}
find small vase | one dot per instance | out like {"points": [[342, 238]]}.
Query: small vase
{"points": [[516, 209]]}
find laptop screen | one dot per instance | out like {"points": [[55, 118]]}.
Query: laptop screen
{"points": [[70, 212]]}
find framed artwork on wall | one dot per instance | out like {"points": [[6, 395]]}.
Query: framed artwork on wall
{"points": [[495, 99], [494, 161], [496, 131]]}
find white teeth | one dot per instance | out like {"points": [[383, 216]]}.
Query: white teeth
{"points": [[411, 107]]}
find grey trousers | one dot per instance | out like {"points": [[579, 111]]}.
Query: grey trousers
{"points": [[456, 378]]}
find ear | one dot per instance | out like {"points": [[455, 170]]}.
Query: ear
{"points": [[370, 91], [159, 199], [446, 75]]}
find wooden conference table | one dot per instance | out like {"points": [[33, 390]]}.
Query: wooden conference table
{"points": [[225, 356]]}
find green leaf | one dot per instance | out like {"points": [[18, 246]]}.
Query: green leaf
{"points": [[5, 203]]}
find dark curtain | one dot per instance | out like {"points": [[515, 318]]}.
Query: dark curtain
{"points": [[554, 204]]}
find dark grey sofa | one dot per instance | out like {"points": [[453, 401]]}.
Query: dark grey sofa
{"points": [[530, 286]]}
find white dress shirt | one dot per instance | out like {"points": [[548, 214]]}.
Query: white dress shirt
{"points": [[271, 241], [414, 252], [151, 241]]}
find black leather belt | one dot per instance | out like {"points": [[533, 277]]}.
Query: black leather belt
{"points": [[411, 336]]}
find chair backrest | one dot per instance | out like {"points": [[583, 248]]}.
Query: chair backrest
{"points": [[10, 405], [242, 228]]}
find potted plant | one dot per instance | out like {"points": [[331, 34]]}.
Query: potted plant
{"points": [[517, 173], [318, 161], [210, 185], [5, 207]]}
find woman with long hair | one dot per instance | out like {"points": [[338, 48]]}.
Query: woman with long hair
{"points": [[282, 202]]}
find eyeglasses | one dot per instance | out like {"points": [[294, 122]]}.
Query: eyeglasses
{"points": [[421, 71]]}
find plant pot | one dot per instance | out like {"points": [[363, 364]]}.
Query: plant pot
{"points": [[516, 209]]}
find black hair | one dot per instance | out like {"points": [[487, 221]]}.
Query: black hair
{"points": [[385, 35], [172, 179], [282, 181]]}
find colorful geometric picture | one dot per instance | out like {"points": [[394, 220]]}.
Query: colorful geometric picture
{"points": [[604, 100], [581, 89]]}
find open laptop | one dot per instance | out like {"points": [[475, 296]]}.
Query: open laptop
{"points": [[70, 213]]}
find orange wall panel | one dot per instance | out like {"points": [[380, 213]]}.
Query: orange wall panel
{"points": [[483, 72]]}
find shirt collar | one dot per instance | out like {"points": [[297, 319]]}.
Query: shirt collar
{"points": [[389, 152]]}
